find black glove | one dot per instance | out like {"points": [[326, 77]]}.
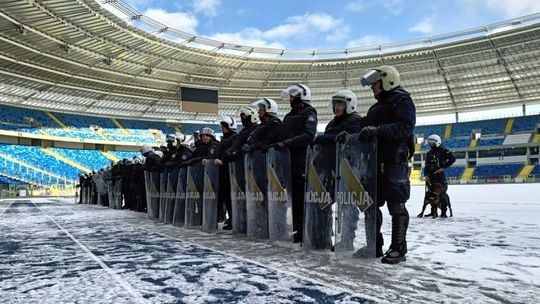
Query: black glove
{"points": [[246, 148], [342, 137], [367, 133], [326, 139], [280, 146]]}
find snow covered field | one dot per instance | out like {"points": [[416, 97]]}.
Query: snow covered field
{"points": [[52, 251]]}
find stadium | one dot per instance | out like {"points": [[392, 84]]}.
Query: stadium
{"points": [[81, 88]]}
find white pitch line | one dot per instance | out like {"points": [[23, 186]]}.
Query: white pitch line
{"points": [[136, 295], [6, 208]]}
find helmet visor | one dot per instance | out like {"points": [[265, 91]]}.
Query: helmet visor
{"points": [[339, 103], [370, 77], [294, 90]]}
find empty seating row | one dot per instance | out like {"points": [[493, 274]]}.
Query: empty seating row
{"points": [[36, 157], [485, 171], [91, 159]]}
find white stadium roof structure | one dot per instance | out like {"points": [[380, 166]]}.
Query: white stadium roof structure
{"points": [[75, 56]]}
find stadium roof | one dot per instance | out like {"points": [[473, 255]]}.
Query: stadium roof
{"points": [[75, 56]]}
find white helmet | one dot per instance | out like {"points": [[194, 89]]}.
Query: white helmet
{"points": [[145, 149], [228, 121], [159, 153], [297, 90], [388, 74], [163, 144], [170, 138], [207, 131], [269, 105], [347, 98], [182, 138], [434, 140], [251, 112]]}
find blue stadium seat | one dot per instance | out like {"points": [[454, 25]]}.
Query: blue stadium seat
{"points": [[454, 171], [494, 126], [126, 154], [91, 159], [484, 171], [536, 170], [428, 130], [482, 142], [36, 157], [525, 123]]}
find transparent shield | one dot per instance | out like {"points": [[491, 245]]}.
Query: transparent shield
{"points": [[238, 197], [163, 194], [356, 190], [194, 195], [179, 215], [256, 195], [118, 194], [280, 223], [320, 191], [152, 181], [172, 183], [210, 197]]}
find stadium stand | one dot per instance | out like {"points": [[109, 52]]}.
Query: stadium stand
{"points": [[91, 159], [496, 170]]}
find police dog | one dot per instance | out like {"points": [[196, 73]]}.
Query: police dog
{"points": [[432, 198]]}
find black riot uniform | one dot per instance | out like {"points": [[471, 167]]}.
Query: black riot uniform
{"points": [[393, 117], [265, 134], [299, 129], [224, 191], [439, 158], [345, 123]]}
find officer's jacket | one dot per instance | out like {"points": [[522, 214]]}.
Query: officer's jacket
{"points": [[438, 158], [266, 133], [300, 127], [394, 114]]}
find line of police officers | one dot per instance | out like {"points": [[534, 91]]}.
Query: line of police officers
{"points": [[391, 120]]}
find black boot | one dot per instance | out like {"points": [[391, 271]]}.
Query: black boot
{"points": [[398, 248], [227, 225]]}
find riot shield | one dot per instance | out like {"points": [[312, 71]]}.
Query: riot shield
{"points": [[151, 179], [356, 191], [256, 195], [118, 193], [83, 194], [320, 189], [210, 196], [163, 194], [93, 194], [86, 194], [238, 197], [110, 193], [179, 214], [194, 195], [172, 183], [278, 169]]}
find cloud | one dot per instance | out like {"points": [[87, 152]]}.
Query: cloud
{"points": [[355, 6], [308, 26], [395, 7], [513, 8], [178, 20], [248, 36], [368, 40], [339, 34], [425, 26], [207, 7]]}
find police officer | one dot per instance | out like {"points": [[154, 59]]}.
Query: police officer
{"points": [[299, 129], [346, 119], [438, 159], [249, 119], [137, 185], [207, 146], [268, 131], [152, 158], [228, 127], [391, 120], [182, 151], [169, 149]]}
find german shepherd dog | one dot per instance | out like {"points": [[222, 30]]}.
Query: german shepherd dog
{"points": [[432, 197]]}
